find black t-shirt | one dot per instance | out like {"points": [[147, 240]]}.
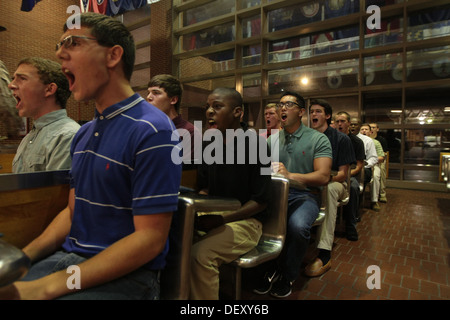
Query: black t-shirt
{"points": [[241, 180]]}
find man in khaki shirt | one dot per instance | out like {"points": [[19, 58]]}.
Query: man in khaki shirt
{"points": [[41, 90]]}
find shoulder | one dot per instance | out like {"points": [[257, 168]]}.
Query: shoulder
{"points": [[146, 116]]}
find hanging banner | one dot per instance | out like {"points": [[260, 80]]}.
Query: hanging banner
{"points": [[100, 6], [85, 5]]}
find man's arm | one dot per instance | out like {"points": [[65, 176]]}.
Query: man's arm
{"points": [[207, 222], [357, 169], [119, 259], [319, 177], [341, 175]]}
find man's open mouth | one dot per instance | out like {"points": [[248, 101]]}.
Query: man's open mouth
{"points": [[17, 99], [212, 123], [70, 77]]}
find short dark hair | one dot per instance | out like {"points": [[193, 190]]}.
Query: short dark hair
{"points": [[49, 71], [300, 100], [232, 94], [345, 113], [170, 84], [326, 106], [110, 32]]}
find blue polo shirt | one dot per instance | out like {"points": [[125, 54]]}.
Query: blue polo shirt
{"points": [[341, 145], [121, 167]]}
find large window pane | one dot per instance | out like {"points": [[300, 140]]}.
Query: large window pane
{"points": [[309, 12], [252, 85], [427, 107], [331, 75], [423, 146], [428, 64], [390, 31], [209, 37], [251, 55], [251, 26], [207, 11], [383, 69], [429, 24], [385, 109], [249, 3], [313, 45]]}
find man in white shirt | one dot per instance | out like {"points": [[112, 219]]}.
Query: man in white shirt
{"points": [[370, 150]]}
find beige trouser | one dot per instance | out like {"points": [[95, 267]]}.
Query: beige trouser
{"points": [[221, 245], [383, 180], [375, 186], [336, 191]]}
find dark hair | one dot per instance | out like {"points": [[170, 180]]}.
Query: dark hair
{"points": [[50, 72], [232, 94], [326, 106], [110, 32], [170, 84], [345, 113], [300, 99]]}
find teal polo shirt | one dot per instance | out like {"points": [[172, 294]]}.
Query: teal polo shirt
{"points": [[298, 150]]}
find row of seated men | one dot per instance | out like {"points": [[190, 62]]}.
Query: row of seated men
{"points": [[125, 177]]}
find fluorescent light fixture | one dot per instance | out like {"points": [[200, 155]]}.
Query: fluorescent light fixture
{"points": [[396, 111]]}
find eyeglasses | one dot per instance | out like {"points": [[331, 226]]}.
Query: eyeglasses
{"points": [[68, 41], [288, 104]]}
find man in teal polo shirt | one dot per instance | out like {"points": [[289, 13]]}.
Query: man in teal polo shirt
{"points": [[305, 158]]}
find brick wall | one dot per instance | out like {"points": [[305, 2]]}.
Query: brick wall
{"points": [[160, 37]]}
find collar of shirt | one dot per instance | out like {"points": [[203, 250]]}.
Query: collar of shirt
{"points": [[48, 118], [298, 133], [120, 107]]}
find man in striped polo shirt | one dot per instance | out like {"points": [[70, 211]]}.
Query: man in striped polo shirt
{"points": [[124, 184]]}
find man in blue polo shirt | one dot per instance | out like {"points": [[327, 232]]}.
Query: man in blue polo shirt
{"points": [[124, 184]]}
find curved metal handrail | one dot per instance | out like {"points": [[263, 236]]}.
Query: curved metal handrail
{"points": [[14, 264]]}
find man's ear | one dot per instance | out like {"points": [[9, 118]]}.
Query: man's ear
{"points": [[301, 112], [51, 89], [237, 112], [114, 56], [174, 100]]}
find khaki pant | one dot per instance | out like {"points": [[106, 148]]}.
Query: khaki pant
{"points": [[336, 191], [375, 186], [221, 245], [383, 180]]}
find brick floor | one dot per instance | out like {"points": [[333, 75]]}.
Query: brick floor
{"points": [[408, 239]]}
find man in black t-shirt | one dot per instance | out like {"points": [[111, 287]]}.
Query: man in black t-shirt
{"points": [[230, 234]]}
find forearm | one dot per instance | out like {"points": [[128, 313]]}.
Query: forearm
{"points": [[249, 209], [52, 237], [313, 179], [117, 260]]}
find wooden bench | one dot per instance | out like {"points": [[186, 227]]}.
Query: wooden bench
{"points": [[29, 202]]}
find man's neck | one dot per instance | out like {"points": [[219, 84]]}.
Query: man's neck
{"points": [[293, 128], [112, 93]]}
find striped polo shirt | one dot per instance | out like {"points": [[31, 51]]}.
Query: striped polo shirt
{"points": [[121, 166]]}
